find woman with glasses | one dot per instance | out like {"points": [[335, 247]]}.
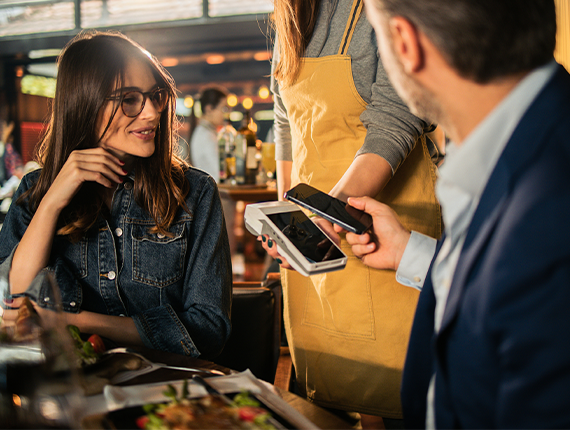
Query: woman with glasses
{"points": [[204, 138], [136, 238]]}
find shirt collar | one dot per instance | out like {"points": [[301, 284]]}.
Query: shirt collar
{"points": [[207, 124], [470, 165], [467, 168]]}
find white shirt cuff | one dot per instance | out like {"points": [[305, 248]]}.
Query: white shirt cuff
{"points": [[416, 260]]}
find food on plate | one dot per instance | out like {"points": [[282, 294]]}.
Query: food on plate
{"points": [[209, 412], [88, 351], [97, 343]]}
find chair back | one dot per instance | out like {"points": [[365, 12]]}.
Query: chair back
{"points": [[256, 329]]}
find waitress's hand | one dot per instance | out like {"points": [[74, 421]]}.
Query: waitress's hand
{"points": [[271, 248], [384, 246], [85, 165]]}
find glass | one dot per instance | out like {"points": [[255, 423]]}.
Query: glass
{"points": [[40, 386], [268, 158], [133, 102]]}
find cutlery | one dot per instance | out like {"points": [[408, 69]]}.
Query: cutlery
{"points": [[150, 366]]}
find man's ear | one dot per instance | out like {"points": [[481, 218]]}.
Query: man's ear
{"points": [[406, 43]]}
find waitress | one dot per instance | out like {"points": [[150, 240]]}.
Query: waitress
{"points": [[340, 127]]}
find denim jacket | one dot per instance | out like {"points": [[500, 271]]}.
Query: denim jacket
{"points": [[176, 289]]}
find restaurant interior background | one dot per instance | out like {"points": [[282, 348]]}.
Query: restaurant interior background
{"points": [[221, 42], [200, 42]]}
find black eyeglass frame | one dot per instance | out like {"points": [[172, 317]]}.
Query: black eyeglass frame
{"points": [[145, 95]]}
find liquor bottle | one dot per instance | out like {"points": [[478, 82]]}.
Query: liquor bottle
{"points": [[246, 153], [226, 152]]}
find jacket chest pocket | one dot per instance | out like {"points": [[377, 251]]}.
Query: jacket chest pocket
{"points": [[158, 260]]}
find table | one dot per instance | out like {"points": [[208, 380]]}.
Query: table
{"points": [[248, 193], [320, 417]]}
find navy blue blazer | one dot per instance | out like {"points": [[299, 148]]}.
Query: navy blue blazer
{"points": [[502, 356]]}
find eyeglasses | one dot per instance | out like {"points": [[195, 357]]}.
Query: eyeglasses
{"points": [[133, 102]]}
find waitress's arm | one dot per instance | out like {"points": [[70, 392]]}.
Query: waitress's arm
{"points": [[283, 177], [366, 176]]}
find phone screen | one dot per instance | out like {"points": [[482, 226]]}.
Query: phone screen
{"points": [[330, 208], [306, 236]]}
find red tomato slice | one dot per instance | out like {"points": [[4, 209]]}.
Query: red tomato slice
{"points": [[97, 343], [248, 413], [141, 421]]}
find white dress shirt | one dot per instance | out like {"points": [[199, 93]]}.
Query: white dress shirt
{"points": [[204, 149]]}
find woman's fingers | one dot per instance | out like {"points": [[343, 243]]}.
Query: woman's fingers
{"points": [[87, 165], [271, 247], [98, 164]]}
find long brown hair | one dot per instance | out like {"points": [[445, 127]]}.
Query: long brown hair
{"points": [[294, 22], [90, 68]]}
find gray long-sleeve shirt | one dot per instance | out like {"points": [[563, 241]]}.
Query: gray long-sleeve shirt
{"points": [[392, 130]]}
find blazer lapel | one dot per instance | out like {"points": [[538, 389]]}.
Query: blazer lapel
{"points": [[479, 232]]}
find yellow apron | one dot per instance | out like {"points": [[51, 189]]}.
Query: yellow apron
{"points": [[348, 331]]}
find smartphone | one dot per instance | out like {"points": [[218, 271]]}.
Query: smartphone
{"points": [[330, 208], [305, 246]]}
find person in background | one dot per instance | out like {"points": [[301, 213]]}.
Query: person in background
{"points": [[340, 127], [5, 133], [489, 346], [204, 139], [135, 238], [12, 158]]}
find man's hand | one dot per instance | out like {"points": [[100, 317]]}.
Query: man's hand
{"points": [[384, 246]]}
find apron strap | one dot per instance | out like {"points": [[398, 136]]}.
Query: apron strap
{"points": [[350, 25]]}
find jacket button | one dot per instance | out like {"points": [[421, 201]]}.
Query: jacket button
{"points": [[46, 299], [111, 275], [72, 304], [417, 279], [160, 236], [128, 186], [118, 232]]}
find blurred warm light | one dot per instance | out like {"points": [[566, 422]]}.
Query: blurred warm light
{"points": [[169, 62], [19, 72], [252, 125], [197, 109], [17, 400], [236, 116], [43, 53], [247, 103], [188, 102], [232, 100], [215, 59], [262, 56], [264, 92], [264, 115]]}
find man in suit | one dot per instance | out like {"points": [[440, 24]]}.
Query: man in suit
{"points": [[490, 344]]}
